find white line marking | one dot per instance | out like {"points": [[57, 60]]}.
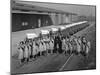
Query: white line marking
{"points": [[65, 63]]}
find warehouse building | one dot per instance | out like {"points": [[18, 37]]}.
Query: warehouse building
{"points": [[26, 16]]}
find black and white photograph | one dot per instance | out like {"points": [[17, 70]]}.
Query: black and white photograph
{"points": [[52, 37]]}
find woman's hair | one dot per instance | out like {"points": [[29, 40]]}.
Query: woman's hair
{"points": [[83, 38]]}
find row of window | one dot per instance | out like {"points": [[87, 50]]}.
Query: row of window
{"points": [[39, 23], [24, 23]]}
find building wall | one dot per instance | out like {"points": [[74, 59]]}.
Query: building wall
{"points": [[59, 20], [53, 18], [22, 21], [67, 19], [74, 18], [28, 21]]}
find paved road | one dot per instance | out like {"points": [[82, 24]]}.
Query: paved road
{"points": [[43, 64], [50, 63]]}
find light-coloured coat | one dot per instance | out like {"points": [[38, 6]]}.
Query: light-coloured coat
{"points": [[34, 49], [63, 44], [88, 47], [26, 52], [20, 51], [29, 50], [40, 47], [44, 46], [51, 45]]}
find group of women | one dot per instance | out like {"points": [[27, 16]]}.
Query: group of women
{"points": [[33, 48], [30, 49]]}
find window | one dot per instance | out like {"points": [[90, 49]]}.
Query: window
{"points": [[24, 23]]}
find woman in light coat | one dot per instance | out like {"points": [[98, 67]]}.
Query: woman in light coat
{"points": [[74, 45], [67, 41], [70, 47], [79, 45], [47, 47], [34, 49], [29, 50], [67, 50], [51, 44], [86, 45], [88, 48], [26, 53], [40, 48], [64, 45], [44, 48], [20, 56], [37, 49]]}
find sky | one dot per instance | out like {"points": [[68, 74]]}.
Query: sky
{"points": [[78, 9]]}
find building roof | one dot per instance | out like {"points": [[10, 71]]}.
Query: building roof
{"points": [[22, 6]]}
